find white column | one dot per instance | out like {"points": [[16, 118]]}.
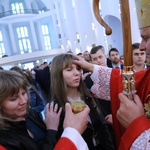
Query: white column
{"points": [[34, 38], [54, 18], [13, 40], [39, 36]]}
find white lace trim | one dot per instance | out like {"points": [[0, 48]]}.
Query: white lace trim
{"points": [[142, 142], [101, 78]]}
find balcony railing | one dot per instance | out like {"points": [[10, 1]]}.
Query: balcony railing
{"points": [[25, 11]]}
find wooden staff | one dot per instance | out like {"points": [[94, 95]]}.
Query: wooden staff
{"points": [[126, 29], [125, 16], [108, 30], [128, 74]]}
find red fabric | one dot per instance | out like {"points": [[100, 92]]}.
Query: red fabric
{"points": [[116, 78], [142, 83], [2, 148], [65, 144], [137, 128]]}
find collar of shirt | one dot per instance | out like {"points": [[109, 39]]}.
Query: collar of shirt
{"points": [[145, 67], [119, 65]]}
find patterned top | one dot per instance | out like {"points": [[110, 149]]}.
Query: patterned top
{"points": [[101, 80]]}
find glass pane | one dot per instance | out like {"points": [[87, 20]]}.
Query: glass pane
{"points": [[13, 8], [46, 37], [18, 32], [46, 29], [45, 41], [21, 7], [20, 45], [43, 29], [48, 40], [26, 31], [41, 11], [17, 8], [30, 51], [24, 44], [22, 52], [29, 45], [22, 32], [24, 41], [3, 48]]}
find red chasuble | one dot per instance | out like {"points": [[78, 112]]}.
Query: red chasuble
{"points": [[65, 144], [125, 138], [2, 148]]}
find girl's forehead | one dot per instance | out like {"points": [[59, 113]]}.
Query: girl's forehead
{"points": [[71, 65]]}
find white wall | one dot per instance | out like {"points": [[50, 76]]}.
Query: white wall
{"points": [[67, 17]]}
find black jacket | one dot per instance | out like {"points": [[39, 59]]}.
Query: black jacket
{"points": [[97, 129], [17, 137]]}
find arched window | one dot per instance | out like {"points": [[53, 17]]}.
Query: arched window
{"points": [[23, 39], [46, 36], [17, 7], [2, 47]]}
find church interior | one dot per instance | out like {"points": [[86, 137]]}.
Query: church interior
{"points": [[34, 31]]}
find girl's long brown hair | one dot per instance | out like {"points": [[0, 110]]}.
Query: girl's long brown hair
{"points": [[58, 85]]}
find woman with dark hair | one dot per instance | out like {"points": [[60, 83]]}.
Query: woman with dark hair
{"points": [[67, 86]]}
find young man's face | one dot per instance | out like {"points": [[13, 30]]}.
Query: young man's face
{"points": [[145, 43], [114, 57], [86, 56], [139, 57], [99, 58]]}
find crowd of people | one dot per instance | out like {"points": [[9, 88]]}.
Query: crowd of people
{"points": [[36, 111]]}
